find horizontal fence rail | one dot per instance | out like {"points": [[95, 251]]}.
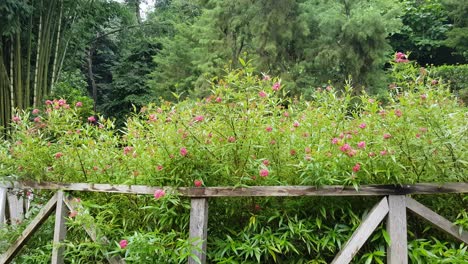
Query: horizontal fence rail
{"points": [[249, 191], [392, 206]]}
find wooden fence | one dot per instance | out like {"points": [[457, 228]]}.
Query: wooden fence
{"points": [[393, 205]]}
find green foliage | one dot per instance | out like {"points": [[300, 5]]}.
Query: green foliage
{"points": [[425, 25], [249, 133], [352, 40], [456, 76], [248, 128], [458, 36]]}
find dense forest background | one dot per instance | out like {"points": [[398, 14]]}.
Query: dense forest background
{"points": [[122, 57]]}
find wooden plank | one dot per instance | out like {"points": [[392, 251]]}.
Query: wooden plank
{"points": [[91, 230], [16, 207], [8, 256], [397, 251], [60, 230], [333, 190], [3, 200], [362, 233], [439, 221], [198, 229]]}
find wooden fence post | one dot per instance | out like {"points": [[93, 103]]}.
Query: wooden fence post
{"points": [[198, 229], [397, 251], [60, 229], [15, 206], [3, 192], [362, 233]]}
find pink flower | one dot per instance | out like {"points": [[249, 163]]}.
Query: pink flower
{"points": [[400, 57], [352, 152], [286, 114], [16, 119], [91, 119], [423, 96], [123, 243], [159, 193], [335, 141], [127, 150], [152, 117], [434, 82], [296, 124], [78, 104], [292, 152], [37, 119], [423, 129], [58, 155], [35, 111], [276, 86], [49, 102], [307, 150], [328, 88], [371, 154], [361, 144], [183, 152], [398, 112], [357, 167], [159, 167], [266, 162], [219, 100], [383, 152], [62, 102], [362, 125], [387, 136], [345, 148], [231, 139], [72, 214], [264, 172], [272, 142], [266, 77], [197, 183], [262, 94], [268, 129], [199, 118]]}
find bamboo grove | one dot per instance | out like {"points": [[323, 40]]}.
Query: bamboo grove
{"points": [[34, 37]]}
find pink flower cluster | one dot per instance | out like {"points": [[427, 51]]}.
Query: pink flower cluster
{"points": [[400, 57], [159, 193]]}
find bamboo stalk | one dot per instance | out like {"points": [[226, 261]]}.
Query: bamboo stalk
{"points": [[27, 84], [12, 96], [57, 43], [38, 52], [18, 70]]}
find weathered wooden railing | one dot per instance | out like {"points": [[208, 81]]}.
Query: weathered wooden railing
{"points": [[393, 205]]}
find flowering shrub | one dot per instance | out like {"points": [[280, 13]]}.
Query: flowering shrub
{"points": [[248, 132]]}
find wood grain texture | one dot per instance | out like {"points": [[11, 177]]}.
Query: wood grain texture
{"points": [[279, 191], [198, 229], [439, 221], [15, 207], [397, 251], [362, 233], [3, 204], [8, 256], [92, 230], [60, 229]]}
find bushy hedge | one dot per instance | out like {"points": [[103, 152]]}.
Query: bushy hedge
{"points": [[248, 132], [454, 75]]}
